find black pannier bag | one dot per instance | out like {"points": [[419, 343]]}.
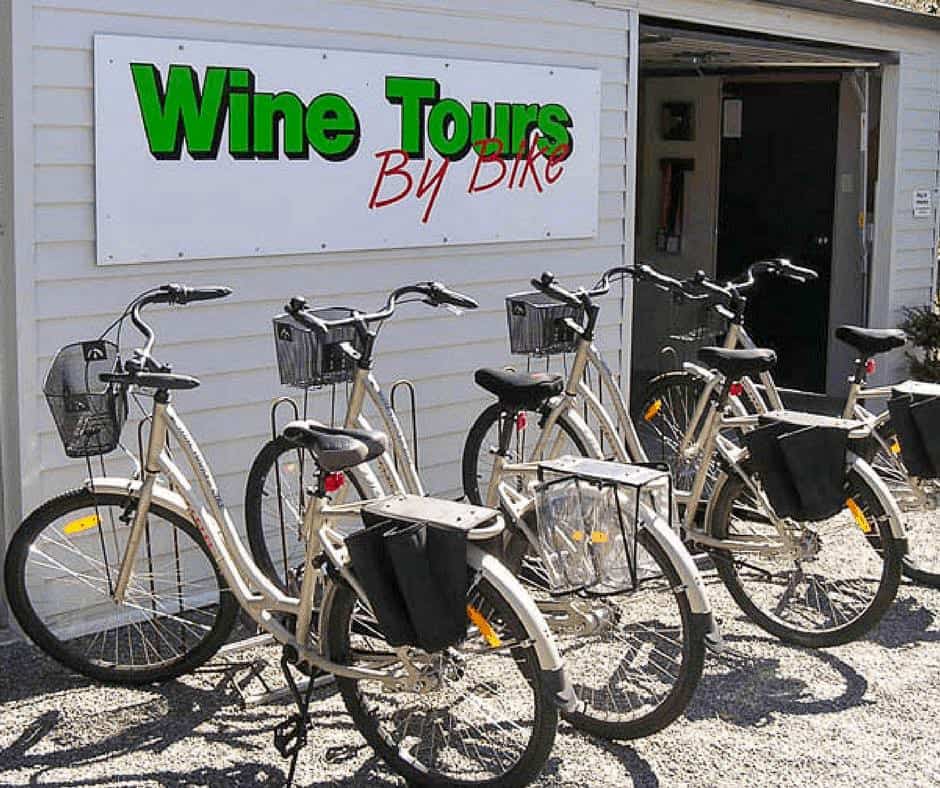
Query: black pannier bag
{"points": [[800, 459], [915, 416], [414, 571]]}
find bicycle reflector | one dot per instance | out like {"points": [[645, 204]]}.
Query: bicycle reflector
{"points": [[333, 481], [871, 366], [736, 389], [521, 421]]}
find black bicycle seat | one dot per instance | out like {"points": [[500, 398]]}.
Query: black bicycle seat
{"points": [[519, 390], [736, 363], [336, 449], [871, 341]]}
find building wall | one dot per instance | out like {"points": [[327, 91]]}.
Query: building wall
{"points": [[228, 344], [654, 313], [7, 327]]}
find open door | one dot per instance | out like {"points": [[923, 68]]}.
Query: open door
{"points": [[777, 199]]}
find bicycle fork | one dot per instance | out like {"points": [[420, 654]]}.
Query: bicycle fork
{"points": [[151, 469]]}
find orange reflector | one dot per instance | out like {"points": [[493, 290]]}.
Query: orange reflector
{"points": [[895, 447], [577, 535], [598, 537], [860, 519], [653, 410], [81, 524], [480, 622]]}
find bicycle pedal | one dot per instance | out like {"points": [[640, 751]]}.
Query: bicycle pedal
{"points": [[290, 736]]}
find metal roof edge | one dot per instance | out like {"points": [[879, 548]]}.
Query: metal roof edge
{"points": [[865, 9]]}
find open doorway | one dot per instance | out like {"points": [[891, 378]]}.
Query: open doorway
{"points": [[751, 146], [777, 199]]}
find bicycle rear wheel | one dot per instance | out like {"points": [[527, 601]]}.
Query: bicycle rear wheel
{"points": [[60, 571], [837, 588], [483, 718], [920, 502]]}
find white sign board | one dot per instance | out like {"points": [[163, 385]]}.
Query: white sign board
{"points": [[230, 150], [923, 203]]}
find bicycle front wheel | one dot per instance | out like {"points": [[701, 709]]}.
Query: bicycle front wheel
{"points": [[483, 717], [633, 658], [276, 497], [842, 579], [919, 499], [61, 568]]}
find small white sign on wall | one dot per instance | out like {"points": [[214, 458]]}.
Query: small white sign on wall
{"points": [[923, 203], [209, 150]]}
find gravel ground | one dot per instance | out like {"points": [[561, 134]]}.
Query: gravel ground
{"points": [[764, 714]]}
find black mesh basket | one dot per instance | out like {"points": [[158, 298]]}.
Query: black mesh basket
{"points": [[537, 325], [306, 358], [88, 414]]}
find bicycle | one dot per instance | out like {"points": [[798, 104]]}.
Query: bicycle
{"points": [[619, 700], [156, 573], [764, 563], [674, 397]]}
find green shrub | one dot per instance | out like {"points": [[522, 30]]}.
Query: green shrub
{"points": [[922, 325]]}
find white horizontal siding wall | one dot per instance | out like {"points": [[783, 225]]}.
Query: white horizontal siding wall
{"points": [[228, 344], [913, 276]]}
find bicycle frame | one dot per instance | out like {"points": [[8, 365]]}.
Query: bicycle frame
{"points": [[256, 594]]}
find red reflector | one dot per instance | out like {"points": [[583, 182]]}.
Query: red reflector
{"points": [[736, 389], [521, 421], [871, 366], [334, 481]]}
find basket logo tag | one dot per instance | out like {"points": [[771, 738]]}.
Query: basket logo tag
{"points": [[76, 403], [518, 309], [285, 332], [94, 351]]}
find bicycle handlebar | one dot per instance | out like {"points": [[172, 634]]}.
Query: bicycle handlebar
{"points": [[435, 294]]}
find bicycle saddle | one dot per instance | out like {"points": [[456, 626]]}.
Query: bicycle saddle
{"points": [[518, 390], [871, 341], [737, 363], [333, 448]]}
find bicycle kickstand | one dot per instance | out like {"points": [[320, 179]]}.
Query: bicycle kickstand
{"points": [[290, 736]]}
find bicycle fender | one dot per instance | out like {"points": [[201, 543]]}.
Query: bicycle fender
{"points": [[885, 498], [698, 371], [683, 563], [162, 496], [867, 473], [556, 680]]}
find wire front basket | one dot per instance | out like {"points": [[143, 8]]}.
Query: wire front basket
{"points": [[88, 414], [306, 358], [537, 325]]}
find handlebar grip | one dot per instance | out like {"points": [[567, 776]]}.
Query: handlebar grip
{"points": [[205, 293], [547, 286], [645, 272], [444, 295], [181, 294], [797, 271]]}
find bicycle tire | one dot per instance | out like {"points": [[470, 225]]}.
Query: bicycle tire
{"points": [[269, 557], [692, 663], [470, 462], [921, 564], [887, 552], [666, 410], [23, 548], [339, 611]]}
